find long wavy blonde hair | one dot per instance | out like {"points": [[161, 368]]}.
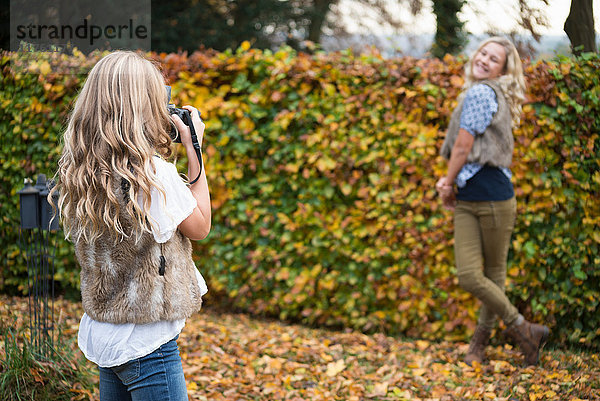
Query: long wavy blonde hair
{"points": [[512, 81], [118, 123]]}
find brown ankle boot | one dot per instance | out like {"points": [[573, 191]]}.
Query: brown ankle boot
{"points": [[480, 340], [530, 338]]}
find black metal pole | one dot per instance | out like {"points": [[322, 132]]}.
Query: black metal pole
{"points": [[36, 237]]}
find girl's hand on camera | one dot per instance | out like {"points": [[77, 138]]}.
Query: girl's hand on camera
{"points": [[184, 130]]}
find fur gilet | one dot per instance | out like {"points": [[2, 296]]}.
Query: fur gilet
{"points": [[120, 282], [495, 146]]}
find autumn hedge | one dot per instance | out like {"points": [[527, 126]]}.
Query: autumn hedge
{"points": [[322, 170]]}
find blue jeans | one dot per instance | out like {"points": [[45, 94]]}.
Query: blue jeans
{"points": [[156, 376]]}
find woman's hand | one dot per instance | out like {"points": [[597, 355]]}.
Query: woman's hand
{"points": [[446, 192], [460, 152], [184, 130], [197, 225], [194, 167]]}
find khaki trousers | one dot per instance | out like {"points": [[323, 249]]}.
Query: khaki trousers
{"points": [[482, 233]]}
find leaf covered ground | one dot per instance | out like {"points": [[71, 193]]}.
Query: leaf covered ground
{"points": [[228, 356]]}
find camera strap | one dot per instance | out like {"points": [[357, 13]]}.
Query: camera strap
{"points": [[162, 261], [199, 155], [196, 146]]}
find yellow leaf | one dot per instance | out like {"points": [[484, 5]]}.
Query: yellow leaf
{"points": [[304, 89], [245, 45], [456, 81], [328, 283], [246, 125], [346, 188], [223, 141], [283, 274], [275, 364], [379, 390], [45, 68], [325, 163], [333, 368], [329, 89], [283, 218]]}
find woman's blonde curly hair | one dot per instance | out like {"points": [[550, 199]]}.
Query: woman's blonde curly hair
{"points": [[119, 122], [512, 81]]}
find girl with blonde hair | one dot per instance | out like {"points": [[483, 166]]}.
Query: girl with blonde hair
{"points": [[477, 186], [131, 218]]}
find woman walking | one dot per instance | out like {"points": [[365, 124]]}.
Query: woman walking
{"points": [[477, 186]]}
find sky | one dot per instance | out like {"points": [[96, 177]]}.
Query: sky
{"points": [[556, 12], [500, 13]]}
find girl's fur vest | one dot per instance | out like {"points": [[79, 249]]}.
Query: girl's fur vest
{"points": [[495, 146], [121, 282]]}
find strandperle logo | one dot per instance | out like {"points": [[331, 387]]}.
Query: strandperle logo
{"points": [[85, 30]]}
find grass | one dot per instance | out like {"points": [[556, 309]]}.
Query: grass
{"points": [[62, 373]]}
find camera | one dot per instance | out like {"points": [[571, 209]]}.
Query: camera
{"points": [[185, 116]]}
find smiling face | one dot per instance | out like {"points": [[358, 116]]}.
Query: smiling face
{"points": [[489, 61]]}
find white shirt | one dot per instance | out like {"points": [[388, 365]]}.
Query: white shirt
{"points": [[109, 344]]}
